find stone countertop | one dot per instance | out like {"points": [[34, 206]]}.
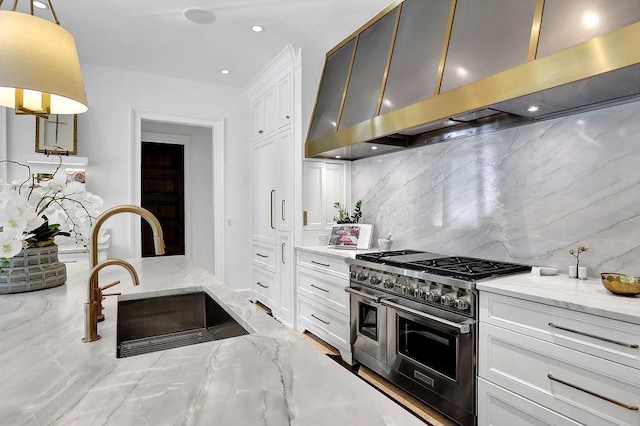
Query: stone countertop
{"points": [[339, 253], [269, 377], [587, 296]]}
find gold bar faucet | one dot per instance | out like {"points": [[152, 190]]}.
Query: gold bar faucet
{"points": [[93, 307]]}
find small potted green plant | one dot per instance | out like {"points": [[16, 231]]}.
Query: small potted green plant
{"points": [[344, 216]]}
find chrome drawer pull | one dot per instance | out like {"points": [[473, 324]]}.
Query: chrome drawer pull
{"points": [[628, 345], [261, 255], [262, 285], [319, 288], [321, 264], [613, 401], [320, 319]]}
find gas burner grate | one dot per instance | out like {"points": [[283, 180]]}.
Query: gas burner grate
{"points": [[381, 256], [467, 267]]}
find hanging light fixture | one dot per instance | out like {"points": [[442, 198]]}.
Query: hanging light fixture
{"points": [[39, 66]]}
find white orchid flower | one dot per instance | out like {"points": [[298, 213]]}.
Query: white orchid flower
{"points": [[9, 245]]}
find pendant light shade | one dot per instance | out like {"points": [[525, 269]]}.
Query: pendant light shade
{"points": [[39, 67]]}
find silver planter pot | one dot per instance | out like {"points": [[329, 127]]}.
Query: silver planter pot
{"points": [[33, 269]]}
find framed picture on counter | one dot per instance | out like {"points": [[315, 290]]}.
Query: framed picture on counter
{"points": [[351, 236]]}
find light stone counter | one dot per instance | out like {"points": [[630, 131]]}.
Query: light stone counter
{"points": [[270, 377], [338, 253], [579, 295]]}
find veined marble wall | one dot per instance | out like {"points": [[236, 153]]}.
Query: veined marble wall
{"points": [[527, 194]]}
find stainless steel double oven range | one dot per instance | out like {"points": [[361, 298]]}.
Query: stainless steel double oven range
{"points": [[414, 322]]}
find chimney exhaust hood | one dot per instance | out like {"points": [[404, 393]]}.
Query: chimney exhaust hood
{"points": [[597, 73]]}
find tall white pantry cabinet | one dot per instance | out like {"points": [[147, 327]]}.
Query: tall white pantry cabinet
{"points": [[272, 96]]}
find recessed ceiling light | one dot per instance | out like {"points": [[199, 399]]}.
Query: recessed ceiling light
{"points": [[225, 71], [590, 19], [374, 147], [533, 108], [39, 5], [199, 16], [338, 156], [257, 28]]}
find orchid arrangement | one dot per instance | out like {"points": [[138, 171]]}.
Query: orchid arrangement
{"points": [[32, 215]]}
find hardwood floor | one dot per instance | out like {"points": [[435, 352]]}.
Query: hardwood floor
{"points": [[422, 411]]}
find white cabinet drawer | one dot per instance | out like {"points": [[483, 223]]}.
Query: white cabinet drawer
{"points": [[499, 407], [325, 323], [263, 286], [577, 385], [264, 255], [326, 264], [613, 340], [324, 289]]}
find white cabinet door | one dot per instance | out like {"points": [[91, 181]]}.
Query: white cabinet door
{"points": [[285, 110], [324, 183], [284, 205], [500, 407], [264, 289], [285, 281], [264, 158], [263, 111]]}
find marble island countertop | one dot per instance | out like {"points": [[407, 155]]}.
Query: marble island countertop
{"points": [[269, 377], [587, 296]]}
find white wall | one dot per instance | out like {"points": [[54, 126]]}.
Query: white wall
{"points": [[104, 136]]}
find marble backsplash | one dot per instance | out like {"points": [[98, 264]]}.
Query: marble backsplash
{"points": [[527, 194]]}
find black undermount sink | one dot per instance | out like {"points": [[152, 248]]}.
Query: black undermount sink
{"points": [[156, 323]]}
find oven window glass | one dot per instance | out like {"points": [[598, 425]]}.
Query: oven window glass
{"points": [[368, 321], [428, 346]]}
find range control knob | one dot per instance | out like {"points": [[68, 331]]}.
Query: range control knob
{"points": [[362, 276], [433, 295], [449, 298], [418, 292], [388, 283], [353, 275], [374, 280], [462, 303]]}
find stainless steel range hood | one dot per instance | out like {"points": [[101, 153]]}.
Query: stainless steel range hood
{"points": [[600, 72]]}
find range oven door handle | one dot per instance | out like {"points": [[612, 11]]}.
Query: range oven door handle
{"points": [[463, 327], [375, 299]]}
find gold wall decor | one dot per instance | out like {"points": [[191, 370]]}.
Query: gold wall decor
{"points": [[58, 133]]}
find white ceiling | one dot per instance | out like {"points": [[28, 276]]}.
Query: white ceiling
{"points": [[152, 36]]}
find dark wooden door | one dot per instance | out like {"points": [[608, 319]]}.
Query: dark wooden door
{"points": [[163, 195]]}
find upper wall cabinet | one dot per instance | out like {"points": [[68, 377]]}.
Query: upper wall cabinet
{"points": [[566, 23], [263, 111], [488, 36], [332, 86], [416, 53], [373, 50]]}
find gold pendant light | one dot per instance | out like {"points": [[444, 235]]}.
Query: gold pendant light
{"points": [[39, 66]]}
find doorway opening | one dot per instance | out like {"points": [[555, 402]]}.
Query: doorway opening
{"points": [[162, 183], [202, 142]]}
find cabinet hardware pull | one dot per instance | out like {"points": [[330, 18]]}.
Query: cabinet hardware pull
{"points": [[282, 211], [262, 285], [261, 255], [613, 401], [628, 345], [273, 193], [321, 264], [282, 253], [320, 319], [261, 131], [287, 117], [319, 288]]}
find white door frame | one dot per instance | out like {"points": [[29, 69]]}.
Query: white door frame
{"points": [[217, 140]]}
